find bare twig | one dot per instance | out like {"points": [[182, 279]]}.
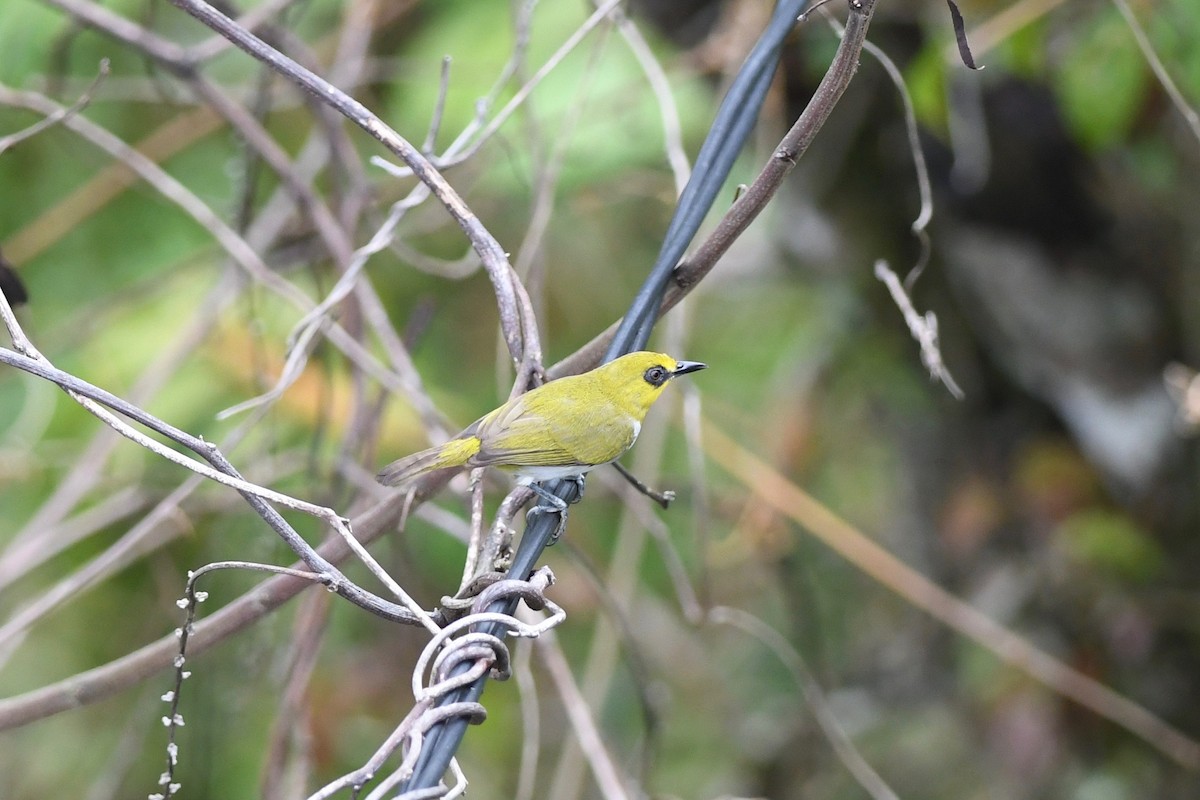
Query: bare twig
{"points": [[20, 559], [290, 723], [490, 251], [87, 469], [472, 138], [103, 681], [620, 581], [237, 247], [14, 139], [254, 18], [925, 214], [531, 721], [126, 31], [93, 398], [663, 498], [608, 779], [475, 545], [923, 328], [656, 78], [439, 108]]}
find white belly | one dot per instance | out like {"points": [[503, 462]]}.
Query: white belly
{"points": [[528, 475]]}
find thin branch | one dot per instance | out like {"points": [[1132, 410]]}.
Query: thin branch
{"points": [[87, 469], [475, 544], [307, 635], [495, 260], [130, 33], [620, 585], [237, 247], [101, 682], [26, 556], [50, 121], [191, 602], [924, 191], [661, 87], [924, 329], [254, 18], [471, 139], [91, 397], [604, 769], [439, 108], [531, 722]]}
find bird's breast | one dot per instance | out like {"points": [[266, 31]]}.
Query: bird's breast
{"points": [[602, 439]]}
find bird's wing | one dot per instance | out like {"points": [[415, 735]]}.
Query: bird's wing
{"points": [[523, 433], [519, 435]]}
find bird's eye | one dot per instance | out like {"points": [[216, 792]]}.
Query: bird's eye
{"points": [[655, 376]]}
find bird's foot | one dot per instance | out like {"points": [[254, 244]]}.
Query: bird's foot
{"points": [[550, 504]]}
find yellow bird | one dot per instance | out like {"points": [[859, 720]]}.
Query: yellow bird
{"points": [[560, 429]]}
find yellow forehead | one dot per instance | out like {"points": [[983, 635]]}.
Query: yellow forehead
{"points": [[644, 360]]}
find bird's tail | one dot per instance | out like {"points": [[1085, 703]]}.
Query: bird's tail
{"points": [[453, 453]]}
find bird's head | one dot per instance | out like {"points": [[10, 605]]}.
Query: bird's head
{"points": [[637, 379]]}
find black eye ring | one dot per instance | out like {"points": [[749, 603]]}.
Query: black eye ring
{"points": [[656, 376]]}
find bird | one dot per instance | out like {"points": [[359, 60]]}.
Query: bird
{"points": [[561, 429]]}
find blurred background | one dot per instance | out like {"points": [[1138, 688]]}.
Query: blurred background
{"points": [[1059, 497]]}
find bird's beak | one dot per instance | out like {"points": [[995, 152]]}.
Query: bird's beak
{"points": [[684, 367]]}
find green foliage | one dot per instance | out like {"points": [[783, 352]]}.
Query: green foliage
{"points": [[1027, 51], [1102, 80], [925, 79], [28, 32]]}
